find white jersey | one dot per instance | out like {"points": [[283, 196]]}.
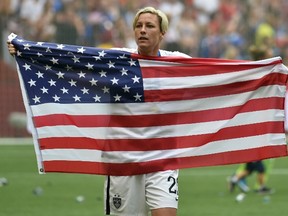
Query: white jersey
{"points": [[161, 52]]}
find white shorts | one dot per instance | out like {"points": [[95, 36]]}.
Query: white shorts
{"points": [[137, 195]]}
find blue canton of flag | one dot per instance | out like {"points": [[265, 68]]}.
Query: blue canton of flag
{"points": [[57, 73]]}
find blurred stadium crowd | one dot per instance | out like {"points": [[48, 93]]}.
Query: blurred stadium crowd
{"points": [[202, 28]]}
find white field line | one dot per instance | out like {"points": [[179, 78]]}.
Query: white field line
{"points": [[16, 141]]}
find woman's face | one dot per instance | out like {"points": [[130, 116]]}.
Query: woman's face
{"points": [[148, 34]]}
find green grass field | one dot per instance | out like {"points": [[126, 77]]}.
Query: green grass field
{"points": [[203, 191]]}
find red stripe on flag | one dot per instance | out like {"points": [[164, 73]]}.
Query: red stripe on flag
{"points": [[158, 119], [198, 70], [124, 169], [160, 143]]}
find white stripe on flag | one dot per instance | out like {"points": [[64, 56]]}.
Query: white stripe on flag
{"points": [[209, 80], [166, 107], [154, 132]]}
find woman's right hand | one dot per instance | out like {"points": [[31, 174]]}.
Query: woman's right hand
{"points": [[11, 48]]}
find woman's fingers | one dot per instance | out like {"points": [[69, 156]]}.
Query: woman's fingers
{"points": [[11, 48]]}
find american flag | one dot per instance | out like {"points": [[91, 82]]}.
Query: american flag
{"points": [[110, 112]]}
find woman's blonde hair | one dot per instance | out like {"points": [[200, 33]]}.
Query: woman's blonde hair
{"points": [[163, 20]]}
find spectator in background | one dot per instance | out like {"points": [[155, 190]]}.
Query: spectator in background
{"points": [[189, 33], [45, 30], [174, 10], [30, 13], [5, 11], [231, 52], [205, 9], [212, 44], [265, 33], [232, 39], [69, 25]]}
